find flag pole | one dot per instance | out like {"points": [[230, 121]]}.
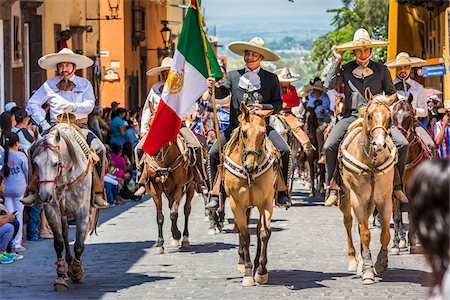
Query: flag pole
{"points": [[213, 93]]}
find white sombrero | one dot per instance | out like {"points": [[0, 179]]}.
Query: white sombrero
{"points": [[256, 44], [317, 85], [445, 108], [287, 75], [403, 59], [165, 65], [361, 39], [50, 61]]}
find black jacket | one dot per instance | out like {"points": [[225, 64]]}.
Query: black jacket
{"points": [[270, 92]]}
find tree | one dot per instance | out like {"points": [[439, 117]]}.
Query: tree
{"points": [[369, 14]]}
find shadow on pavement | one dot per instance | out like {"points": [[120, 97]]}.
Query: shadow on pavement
{"points": [[301, 279], [209, 247], [406, 275]]}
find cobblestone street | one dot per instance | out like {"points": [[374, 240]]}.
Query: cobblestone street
{"points": [[307, 260]]}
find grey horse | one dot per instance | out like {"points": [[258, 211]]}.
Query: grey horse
{"points": [[63, 165]]}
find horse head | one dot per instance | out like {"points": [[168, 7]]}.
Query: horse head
{"points": [[252, 133], [377, 121], [403, 116]]}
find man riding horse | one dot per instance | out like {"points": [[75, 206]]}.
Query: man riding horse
{"points": [[67, 93], [290, 99], [411, 89], [257, 88], [358, 76], [150, 106]]}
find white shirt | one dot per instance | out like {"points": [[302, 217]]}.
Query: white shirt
{"points": [[82, 95], [153, 97], [419, 101]]}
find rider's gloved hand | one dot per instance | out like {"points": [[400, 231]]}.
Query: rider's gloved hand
{"points": [[68, 107], [44, 125]]}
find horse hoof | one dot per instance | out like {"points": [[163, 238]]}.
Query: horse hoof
{"points": [[368, 277], [241, 268], [261, 279], [207, 219], [159, 250], [352, 266], [248, 281], [218, 230], [185, 244], [174, 242], [394, 251], [368, 281], [312, 194], [211, 231], [225, 222], [403, 245], [60, 285]]}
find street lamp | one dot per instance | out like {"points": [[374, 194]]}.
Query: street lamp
{"points": [[166, 33]]}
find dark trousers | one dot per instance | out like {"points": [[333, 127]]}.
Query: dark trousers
{"points": [[274, 137], [16, 225], [34, 218]]}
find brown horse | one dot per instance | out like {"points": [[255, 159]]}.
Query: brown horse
{"points": [[366, 160], [250, 181], [403, 118], [168, 172]]}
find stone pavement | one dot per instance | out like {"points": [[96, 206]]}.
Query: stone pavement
{"points": [[307, 260]]}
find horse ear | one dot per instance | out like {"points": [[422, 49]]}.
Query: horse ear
{"points": [[368, 94], [266, 114], [245, 112], [392, 98]]}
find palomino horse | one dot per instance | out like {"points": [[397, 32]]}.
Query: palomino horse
{"points": [[63, 165], [282, 127], [312, 157], [403, 118], [169, 173], [367, 157], [250, 181]]}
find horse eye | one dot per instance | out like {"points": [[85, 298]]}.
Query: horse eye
{"points": [[244, 134], [369, 117]]}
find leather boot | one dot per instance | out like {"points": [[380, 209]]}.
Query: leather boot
{"points": [[140, 192], [100, 202], [284, 200], [213, 203], [332, 198], [29, 200]]}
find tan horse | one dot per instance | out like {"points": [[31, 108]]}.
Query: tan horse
{"points": [[253, 186], [169, 173], [367, 158]]}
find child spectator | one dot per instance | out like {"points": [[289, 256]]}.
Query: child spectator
{"points": [[119, 161], [15, 171], [112, 186], [128, 188]]}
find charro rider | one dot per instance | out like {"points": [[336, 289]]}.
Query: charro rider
{"points": [[67, 93], [150, 106], [257, 88], [290, 99], [412, 90], [357, 76]]}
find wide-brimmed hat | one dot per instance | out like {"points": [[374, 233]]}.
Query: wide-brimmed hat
{"points": [[50, 61], [361, 39], [256, 44], [166, 63], [403, 59], [287, 75], [445, 108], [317, 85]]}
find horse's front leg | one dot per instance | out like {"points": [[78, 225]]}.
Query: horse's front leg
{"points": [[348, 222], [65, 233], [312, 175], [187, 211], [368, 275], [174, 203], [76, 271], [157, 198], [261, 274], [54, 219], [397, 217]]}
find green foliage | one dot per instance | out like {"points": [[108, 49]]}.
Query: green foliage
{"points": [[369, 14]]}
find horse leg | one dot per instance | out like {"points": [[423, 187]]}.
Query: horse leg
{"points": [[322, 178], [157, 198], [382, 259], [397, 217], [240, 218], [54, 219], [312, 175], [264, 232], [348, 222], [76, 271], [402, 243], [187, 212], [368, 276], [174, 202], [65, 234]]}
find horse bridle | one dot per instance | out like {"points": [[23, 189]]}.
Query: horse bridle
{"points": [[369, 132], [60, 164]]}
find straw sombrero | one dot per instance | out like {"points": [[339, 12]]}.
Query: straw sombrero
{"points": [[256, 44], [445, 108], [403, 59], [50, 61], [317, 85], [287, 75], [165, 65], [361, 39]]}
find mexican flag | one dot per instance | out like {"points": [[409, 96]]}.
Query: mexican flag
{"points": [[186, 82]]}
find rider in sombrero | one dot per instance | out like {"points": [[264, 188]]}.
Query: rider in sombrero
{"points": [[287, 76], [412, 90], [67, 93], [257, 88], [357, 76]]}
